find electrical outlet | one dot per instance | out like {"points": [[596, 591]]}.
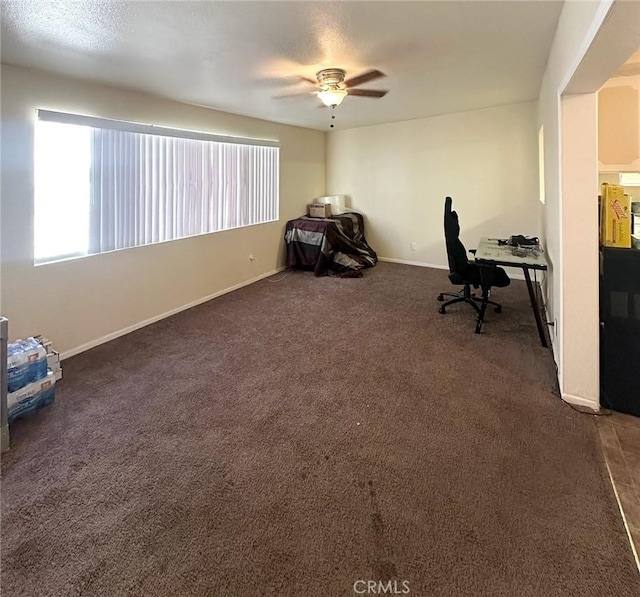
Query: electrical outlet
{"points": [[413, 246]]}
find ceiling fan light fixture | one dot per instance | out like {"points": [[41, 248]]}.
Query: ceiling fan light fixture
{"points": [[332, 97]]}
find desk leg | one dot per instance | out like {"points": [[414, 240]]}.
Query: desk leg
{"points": [[534, 306], [485, 286]]}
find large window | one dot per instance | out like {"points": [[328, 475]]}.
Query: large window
{"points": [[102, 185]]}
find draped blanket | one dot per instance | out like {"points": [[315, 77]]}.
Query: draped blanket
{"points": [[333, 245]]}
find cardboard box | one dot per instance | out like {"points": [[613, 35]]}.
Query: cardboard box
{"points": [[615, 218], [319, 210], [53, 359], [612, 190], [338, 203], [46, 343]]}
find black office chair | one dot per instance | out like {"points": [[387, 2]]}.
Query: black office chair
{"points": [[468, 273]]}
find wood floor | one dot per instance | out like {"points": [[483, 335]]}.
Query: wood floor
{"points": [[620, 437]]}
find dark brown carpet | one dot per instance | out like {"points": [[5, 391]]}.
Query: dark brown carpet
{"points": [[297, 435]]}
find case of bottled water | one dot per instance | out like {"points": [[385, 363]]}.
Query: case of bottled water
{"points": [[31, 397], [30, 384], [26, 363]]}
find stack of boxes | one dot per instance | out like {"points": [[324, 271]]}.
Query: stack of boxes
{"points": [[615, 217], [32, 370]]}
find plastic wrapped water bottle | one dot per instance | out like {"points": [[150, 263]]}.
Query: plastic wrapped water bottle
{"points": [[26, 363]]}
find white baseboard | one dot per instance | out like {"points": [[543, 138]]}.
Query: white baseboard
{"points": [[580, 401], [418, 263], [591, 403], [515, 276], [515, 273], [136, 326], [554, 346]]}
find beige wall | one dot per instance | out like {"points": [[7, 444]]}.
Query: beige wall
{"points": [[398, 175], [619, 125], [78, 302]]}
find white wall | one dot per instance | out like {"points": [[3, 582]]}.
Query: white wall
{"points": [[398, 175], [78, 302], [592, 40], [580, 321], [568, 47]]}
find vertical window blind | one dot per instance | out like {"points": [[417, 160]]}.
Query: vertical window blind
{"points": [[146, 184]]}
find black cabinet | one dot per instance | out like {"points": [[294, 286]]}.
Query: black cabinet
{"points": [[620, 329]]}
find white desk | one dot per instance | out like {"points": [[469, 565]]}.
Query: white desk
{"points": [[490, 252]]}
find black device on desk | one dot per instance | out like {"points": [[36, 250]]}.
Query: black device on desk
{"points": [[519, 240], [522, 246]]}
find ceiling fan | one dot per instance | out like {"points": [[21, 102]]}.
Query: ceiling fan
{"points": [[334, 88]]}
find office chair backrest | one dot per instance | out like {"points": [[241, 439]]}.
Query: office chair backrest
{"points": [[456, 252]]}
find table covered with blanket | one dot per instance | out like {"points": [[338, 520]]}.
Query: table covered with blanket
{"points": [[334, 245]]}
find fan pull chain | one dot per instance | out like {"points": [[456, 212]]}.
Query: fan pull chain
{"points": [[333, 116]]}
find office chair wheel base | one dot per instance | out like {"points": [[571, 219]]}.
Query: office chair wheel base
{"points": [[441, 310], [440, 297], [498, 309]]}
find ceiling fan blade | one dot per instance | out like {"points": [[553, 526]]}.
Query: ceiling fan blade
{"points": [[299, 94], [368, 92], [364, 78], [306, 79]]}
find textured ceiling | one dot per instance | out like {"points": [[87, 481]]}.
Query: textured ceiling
{"points": [[440, 57]]}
